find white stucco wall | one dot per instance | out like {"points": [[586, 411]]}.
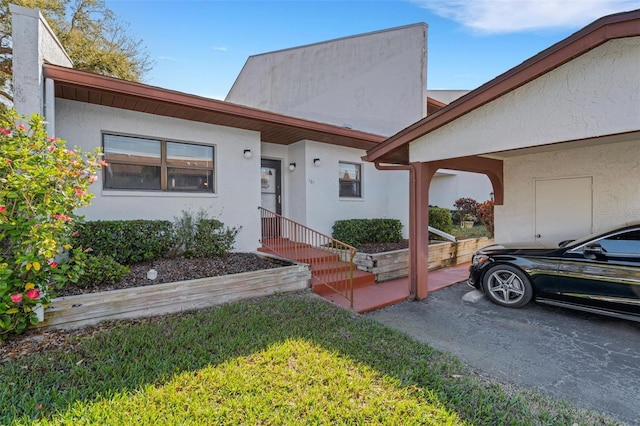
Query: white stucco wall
{"points": [[33, 44], [385, 193], [447, 186], [595, 94], [373, 82], [237, 179], [311, 195], [614, 168]]}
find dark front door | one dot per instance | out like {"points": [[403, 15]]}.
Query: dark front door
{"points": [[271, 188]]}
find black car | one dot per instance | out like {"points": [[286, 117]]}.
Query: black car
{"points": [[599, 273]]}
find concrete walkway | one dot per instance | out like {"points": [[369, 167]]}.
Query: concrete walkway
{"points": [[590, 360]]}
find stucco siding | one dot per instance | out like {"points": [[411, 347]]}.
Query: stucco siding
{"points": [[447, 187], [34, 42], [614, 168], [595, 94], [384, 193], [237, 179], [373, 82]]}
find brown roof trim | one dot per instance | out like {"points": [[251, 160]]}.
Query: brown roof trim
{"points": [[92, 88], [434, 105], [627, 24]]}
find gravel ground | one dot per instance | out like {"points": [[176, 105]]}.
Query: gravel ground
{"points": [[372, 248]]}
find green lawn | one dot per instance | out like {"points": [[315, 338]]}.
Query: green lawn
{"points": [[284, 359], [465, 233]]}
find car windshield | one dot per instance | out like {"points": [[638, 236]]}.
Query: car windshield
{"points": [[581, 241]]}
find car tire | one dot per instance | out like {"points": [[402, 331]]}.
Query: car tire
{"points": [[507, 286]]}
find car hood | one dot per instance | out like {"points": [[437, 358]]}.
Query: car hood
{"points": [[530, 247]]}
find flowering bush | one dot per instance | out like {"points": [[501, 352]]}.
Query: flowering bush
{"points": [[485, 215], [464, 207], [42, 183]]}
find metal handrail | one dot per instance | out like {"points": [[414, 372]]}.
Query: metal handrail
{"points": [[331, 260]]}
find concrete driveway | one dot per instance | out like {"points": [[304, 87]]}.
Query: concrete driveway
{"points": [[590, 360]]}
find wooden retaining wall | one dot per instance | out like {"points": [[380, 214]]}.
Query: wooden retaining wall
{"points": [[87, 309], [395, 264]]}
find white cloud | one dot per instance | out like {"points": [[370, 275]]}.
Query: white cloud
{"points": [[507, 16], [220, 48], [167, 58]]}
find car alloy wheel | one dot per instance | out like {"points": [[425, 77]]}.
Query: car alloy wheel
{"points": [[507, 286]]}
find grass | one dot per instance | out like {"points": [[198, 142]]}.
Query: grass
{"points": [[465, 233], [284, 359]]}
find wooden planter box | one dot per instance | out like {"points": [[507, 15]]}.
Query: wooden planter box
{"points": [[88, 309], [395, 264]]}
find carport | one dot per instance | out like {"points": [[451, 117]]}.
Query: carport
{"points": [[558, 136]]}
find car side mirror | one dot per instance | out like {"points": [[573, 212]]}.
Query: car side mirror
{"points": [[593, 251]]}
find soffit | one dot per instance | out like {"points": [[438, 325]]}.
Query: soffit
{"points": [[274, 128]]}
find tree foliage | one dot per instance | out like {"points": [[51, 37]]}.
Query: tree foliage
{"points": [[95, 39]]}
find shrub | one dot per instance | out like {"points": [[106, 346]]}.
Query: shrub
{"points": [[465, 206], [128, 241], [361, 231], [440, 218], [196, 235], [101, 269], [485, 215], [42, 183], [213, 238]]}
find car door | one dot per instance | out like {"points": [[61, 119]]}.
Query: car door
{"points": [[603, 273]]}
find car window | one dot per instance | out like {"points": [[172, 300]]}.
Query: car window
{"points": [[623, 243]]}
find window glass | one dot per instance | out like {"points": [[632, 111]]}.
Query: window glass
{"points": [[131, 176], [350, 180], [189, 180], [148, 164], [182, 154], [624, 243], [128, 149]]}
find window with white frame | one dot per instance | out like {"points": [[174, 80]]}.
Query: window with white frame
{"points": [[350, 179], [137, 163]]}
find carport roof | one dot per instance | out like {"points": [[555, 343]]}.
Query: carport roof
{"points": [[274, 128], [395, 150]]}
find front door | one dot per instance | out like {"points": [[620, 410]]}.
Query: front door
{"points": [[271, 188]]}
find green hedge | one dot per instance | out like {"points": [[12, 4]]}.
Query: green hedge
{"points": [[127, 241], [133, 241], [440, 218], [361, 231], [213, 238]]}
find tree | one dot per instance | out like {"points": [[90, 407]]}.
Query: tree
{"points": [[91, 34]]}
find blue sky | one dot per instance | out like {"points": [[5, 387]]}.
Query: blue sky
{"points": [[199, 47]]}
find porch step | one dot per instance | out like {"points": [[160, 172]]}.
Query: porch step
{"points": [[328, 271]]}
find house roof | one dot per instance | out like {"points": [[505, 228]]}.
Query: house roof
{"points": [[395, 149], [434, 105], [274, 128]]}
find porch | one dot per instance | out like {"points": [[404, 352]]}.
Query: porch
{"points": [[387, 293]]}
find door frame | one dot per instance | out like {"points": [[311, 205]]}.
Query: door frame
{"points": [[277, 166]]}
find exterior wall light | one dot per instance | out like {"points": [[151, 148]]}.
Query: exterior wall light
{"points": [[248, 154], [316, 162], [292, 166]]}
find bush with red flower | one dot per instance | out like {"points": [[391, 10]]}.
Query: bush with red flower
{"points": [[42, 184], [485, 215]]}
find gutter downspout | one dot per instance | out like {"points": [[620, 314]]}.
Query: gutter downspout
{"points": [[413, 252]]}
